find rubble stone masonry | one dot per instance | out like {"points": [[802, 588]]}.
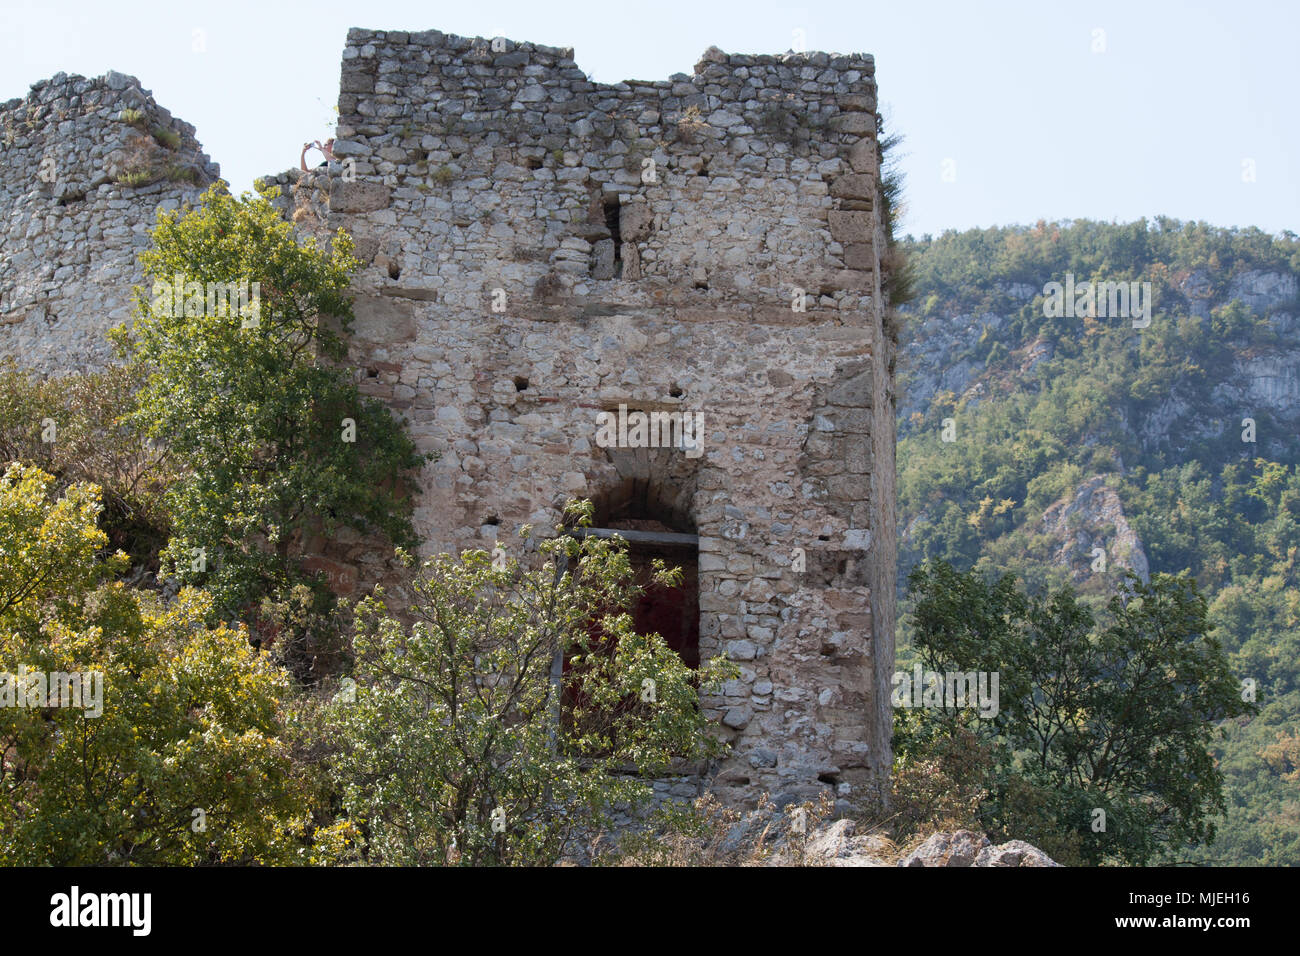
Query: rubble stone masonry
{"points": [[539, 249], [84, 167]]}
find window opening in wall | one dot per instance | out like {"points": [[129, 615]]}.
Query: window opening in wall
{"points": [[611, 209], [673, 613]]}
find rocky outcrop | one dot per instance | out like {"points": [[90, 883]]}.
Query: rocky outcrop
{"points": [[967, 848], [937, 359], [942, 354], [1268, 381], [1262, 291], [1256, 289], [1093, 518], [838, 844]]}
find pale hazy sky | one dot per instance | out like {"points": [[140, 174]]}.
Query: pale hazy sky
{"points": [[1012, 112]]}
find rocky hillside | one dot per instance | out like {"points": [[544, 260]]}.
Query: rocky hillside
{"points": [[1153, 426]]}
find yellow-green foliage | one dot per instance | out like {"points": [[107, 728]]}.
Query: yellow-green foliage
{"points": [[459, 745], [166, 137], [76, 427], [177, 759]]}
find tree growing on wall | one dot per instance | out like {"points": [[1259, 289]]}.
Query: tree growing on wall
{"points": [[239, 339]]}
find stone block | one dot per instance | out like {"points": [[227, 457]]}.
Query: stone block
{"points": [[862, 156], [858, 123], [851, 227], [635, 220], [339, 578], [860, 257], [602, 259], [853, 389], [854, 186], [358, 196], [383, 319]]}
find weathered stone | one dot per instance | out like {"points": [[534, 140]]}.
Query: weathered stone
{"points": [[339, 577], [967, 848], [357, 196], [862, 102], [1014, 853], [854, 390], [853, 123], [860, 257], [960, 848], [523, 271], [862, 156], [70, 228], [635, 221], [836, 844], [602, 259], [851, 227], [854, 186], [533, 93], [738, 718], [383, 319], [631, 262]]}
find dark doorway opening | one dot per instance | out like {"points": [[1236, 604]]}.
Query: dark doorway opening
{"points": [[671, 612], [651, 519], [652, 513]]}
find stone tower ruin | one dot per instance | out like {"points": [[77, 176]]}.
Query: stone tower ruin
{"points": [[545, 255], [84, 166]]}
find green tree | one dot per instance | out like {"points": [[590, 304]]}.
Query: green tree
{"points": [[77, 428], [511, 708], [163, 744], [1117, 715], [1146, 410], [275, 441]]}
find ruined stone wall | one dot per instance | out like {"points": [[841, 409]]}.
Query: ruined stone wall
{"points": [[539, 249], [79, 188], [645, 243]]}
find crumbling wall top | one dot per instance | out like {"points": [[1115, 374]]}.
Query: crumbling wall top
{"points": [[84, 166]]}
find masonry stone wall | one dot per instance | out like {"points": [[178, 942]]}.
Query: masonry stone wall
{"points": [[80, 183], [539, 249], [645, 244]]}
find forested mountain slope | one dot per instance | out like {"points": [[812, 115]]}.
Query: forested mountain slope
{"points": [[1063, 445]]}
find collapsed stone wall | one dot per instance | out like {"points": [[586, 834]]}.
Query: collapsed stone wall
{"points": [[81, 179], [540, 248]]}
